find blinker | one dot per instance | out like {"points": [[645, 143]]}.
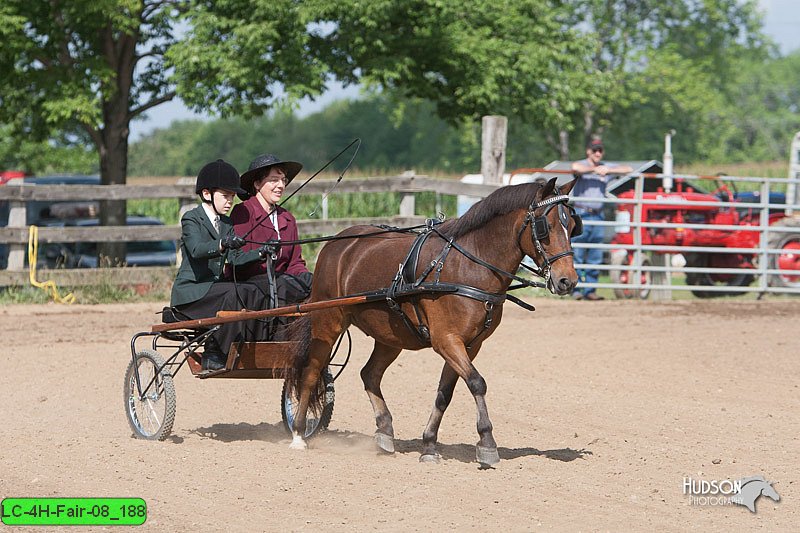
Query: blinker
{"points": [[541, 229], [577, 229]]}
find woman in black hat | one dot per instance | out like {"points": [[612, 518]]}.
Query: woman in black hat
{"points": [[262, 220], [206, 237]]}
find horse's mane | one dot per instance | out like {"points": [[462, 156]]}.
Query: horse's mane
{"points": [[500, 202]]}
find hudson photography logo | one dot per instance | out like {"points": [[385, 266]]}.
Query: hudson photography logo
{"points": [[743, 491]]}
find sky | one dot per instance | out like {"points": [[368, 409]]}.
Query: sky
{"points": [[781, 22]]}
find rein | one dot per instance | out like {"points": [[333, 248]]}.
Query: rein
{"points": [[539, 231]]}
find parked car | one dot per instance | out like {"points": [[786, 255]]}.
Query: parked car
{"points": [[84, 254], [43, 213]]}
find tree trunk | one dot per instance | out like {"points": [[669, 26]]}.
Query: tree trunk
{"points": [[563, 145], [113, 171], [120, 51], [588, 123], [493, 148]]}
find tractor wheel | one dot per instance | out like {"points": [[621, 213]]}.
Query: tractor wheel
{"points": [[625, 276], [704, 260], [789, 258]]}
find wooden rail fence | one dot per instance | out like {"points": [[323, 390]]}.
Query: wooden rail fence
{"points": [[15, 234]]}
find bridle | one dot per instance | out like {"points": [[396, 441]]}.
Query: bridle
{"points": [[540, 229]]}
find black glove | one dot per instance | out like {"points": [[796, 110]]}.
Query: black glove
{"points": [[268, 250], [232, 242]]}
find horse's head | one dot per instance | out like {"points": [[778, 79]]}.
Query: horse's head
{"points": [[769, 491], [751, 489], [552, 222]]}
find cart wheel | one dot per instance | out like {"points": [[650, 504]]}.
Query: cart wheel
{"points": [[150, 417], [626, 276], [314, 425]]}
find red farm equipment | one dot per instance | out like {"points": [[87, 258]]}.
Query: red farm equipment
{"points": [[676, 208]]}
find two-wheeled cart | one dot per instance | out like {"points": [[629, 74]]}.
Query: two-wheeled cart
{"points": [[149, 389]]}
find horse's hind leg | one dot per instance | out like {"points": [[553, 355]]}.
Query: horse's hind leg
{"points": [[447, 383], [325, 329], [372, 374]]}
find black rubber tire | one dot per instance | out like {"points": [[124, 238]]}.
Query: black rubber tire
{"points": [[780, 241], [703, 260], [160, 419], [314, 426], [617, 277]]}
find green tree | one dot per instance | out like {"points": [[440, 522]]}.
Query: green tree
{"points": [[659, 52], [469, 57], [57, 155], [90, 67]]}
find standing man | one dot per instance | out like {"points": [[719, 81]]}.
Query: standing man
{"points": [[591, 187]]}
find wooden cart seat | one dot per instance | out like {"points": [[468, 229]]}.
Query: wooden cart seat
{"points": [[252, 360]]}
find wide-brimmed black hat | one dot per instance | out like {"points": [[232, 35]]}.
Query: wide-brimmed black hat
{"points": [[258, 168], [218, 174]]}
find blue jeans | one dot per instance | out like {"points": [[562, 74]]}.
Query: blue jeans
{"points": [[589, 256]]}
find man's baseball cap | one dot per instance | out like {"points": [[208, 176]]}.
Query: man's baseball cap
{"points": [[595, 144]]}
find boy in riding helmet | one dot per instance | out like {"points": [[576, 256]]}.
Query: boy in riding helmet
{"points": [[199, 290]]}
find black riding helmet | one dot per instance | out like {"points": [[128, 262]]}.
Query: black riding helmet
{"points": [[218, 175]]}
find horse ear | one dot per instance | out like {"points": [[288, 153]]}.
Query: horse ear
{"points": [[547, 188], [566, 189]]}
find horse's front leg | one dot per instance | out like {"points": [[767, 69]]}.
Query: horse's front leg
{"points": [[455, 354], [372, 374]]}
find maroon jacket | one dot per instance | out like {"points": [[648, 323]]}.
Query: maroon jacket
{"points": [[249, 214]]}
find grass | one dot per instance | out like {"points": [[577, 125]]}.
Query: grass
{"points": [[106, 291], [90, 294], [164, 209]]}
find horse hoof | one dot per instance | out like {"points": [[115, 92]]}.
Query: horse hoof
{"points": [[385, 442], [298, 443], [429, 458], [487, 457]]}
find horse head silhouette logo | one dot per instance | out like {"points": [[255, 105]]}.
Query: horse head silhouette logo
{"points": [[752, 488]]}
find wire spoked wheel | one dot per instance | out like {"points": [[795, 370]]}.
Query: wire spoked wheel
{"points": [[314, 423], [150, 415]]}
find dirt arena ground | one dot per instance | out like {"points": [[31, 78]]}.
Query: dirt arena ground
{"points": [[600, 409]]}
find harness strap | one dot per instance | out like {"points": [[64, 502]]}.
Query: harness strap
{"points": [[471, 257], [403, 286], [522, 304], [403, 280]]}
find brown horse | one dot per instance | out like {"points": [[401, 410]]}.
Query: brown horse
{"points": [[461, 277]]}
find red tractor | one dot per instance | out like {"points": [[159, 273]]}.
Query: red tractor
{"points": [[666, 210]]}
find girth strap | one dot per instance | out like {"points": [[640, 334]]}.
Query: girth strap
{"points": [[404, 284]]}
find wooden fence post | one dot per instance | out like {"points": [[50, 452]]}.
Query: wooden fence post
{"points": [[407, 200], [16, 252], [17, 218], [493, 148]]}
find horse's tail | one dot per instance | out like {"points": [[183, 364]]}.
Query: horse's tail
{"points": [[299, 331]]}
